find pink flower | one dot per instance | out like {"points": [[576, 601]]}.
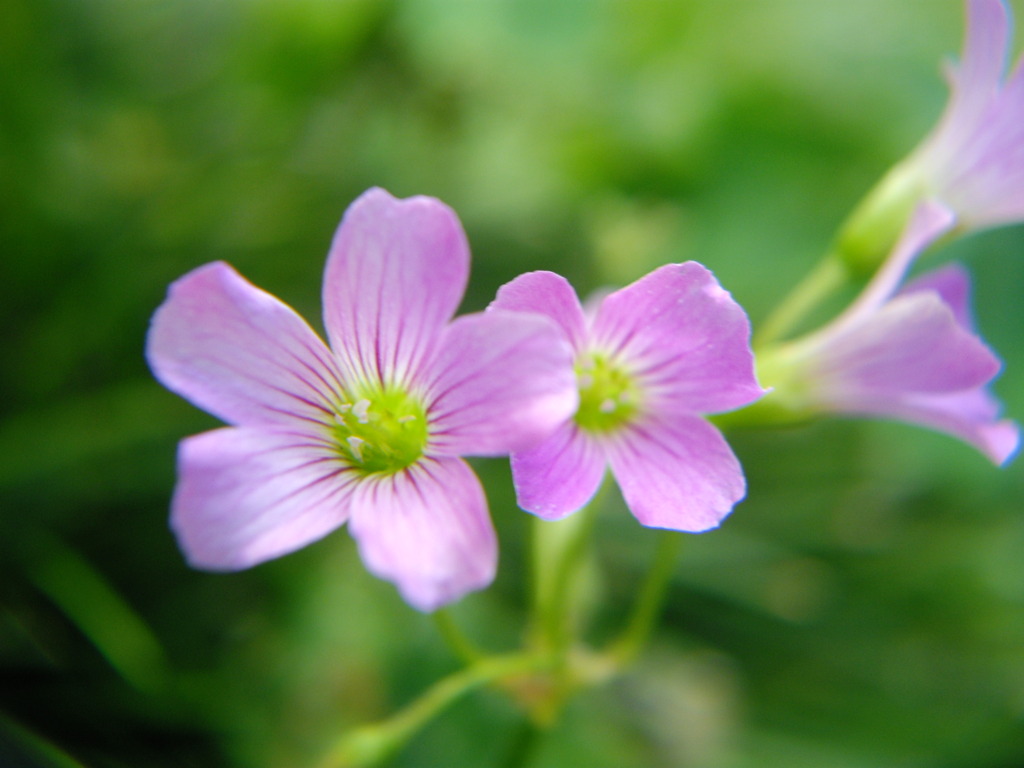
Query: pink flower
{"points": [[974, 159], [650, 360], [368, 430], [910, 354]]}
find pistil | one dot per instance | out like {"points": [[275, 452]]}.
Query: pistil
{"points": [[609, 396], [380, 432]]}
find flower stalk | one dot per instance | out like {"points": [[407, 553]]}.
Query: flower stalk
{"points": [[372, 744], [649, 603], [823, 282]]}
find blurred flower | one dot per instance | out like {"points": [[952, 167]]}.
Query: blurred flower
{"points": [[650, 359], [973, 160], [370, 430], [910, 355]]}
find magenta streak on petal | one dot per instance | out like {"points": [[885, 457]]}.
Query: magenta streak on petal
{"points": [[614, 341], [223, 343], [286, 392], [335, 486], [338, 470], [514, 354], [246, 495], [438, 415], [246, 374], [426, 529], [298, 377], [395, 275], [301, 417], [313, 405], [333, 384], [430, 469]]}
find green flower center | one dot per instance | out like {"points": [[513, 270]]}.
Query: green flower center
{"points": [[381, 432], [609, 396]]}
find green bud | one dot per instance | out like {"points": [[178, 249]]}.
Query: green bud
{"points": [[872, 230]]}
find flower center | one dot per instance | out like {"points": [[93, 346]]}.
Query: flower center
{"points": [[608, 394], [380, 432]]}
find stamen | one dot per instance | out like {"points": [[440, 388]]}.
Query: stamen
{"points": [[609, 395], [355, 444], [381, 431], [360, 410]]}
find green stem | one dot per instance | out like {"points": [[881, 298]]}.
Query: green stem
{"points": [[559, 547], [650, 600], [810, 293], [455, 638], [372, 744]]}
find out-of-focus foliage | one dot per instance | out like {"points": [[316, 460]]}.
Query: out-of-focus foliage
{"points": [[865, 605]]}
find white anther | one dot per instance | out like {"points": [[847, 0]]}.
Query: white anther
{"points": [[355, 444], [607, 406], [360, 409], [586, 381]]}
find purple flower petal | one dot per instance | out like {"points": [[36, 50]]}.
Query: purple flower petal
{"points": [[548, 294], [912, 356], [684, 337], [395, 276], [953, 286], [427, 530], [912, 344], [677, 473], [976, 78], [560, 475], [247, 495], [969, 415], [240, 353], [504, 382], [974, 159]]}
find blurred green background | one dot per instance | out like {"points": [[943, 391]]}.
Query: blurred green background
{"points": [[863, 608]]}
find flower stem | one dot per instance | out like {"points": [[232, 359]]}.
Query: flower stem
{"points": [[559, 547], [650, 600], [370, 745], [455, 638], [821, 283]]}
